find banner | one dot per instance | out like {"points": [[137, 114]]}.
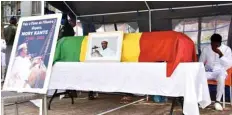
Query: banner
{"points": [[32, 54]]}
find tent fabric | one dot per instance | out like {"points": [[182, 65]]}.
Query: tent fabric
{"points": [[68, 49], [81, 8], [169, 46], [99, 7]]}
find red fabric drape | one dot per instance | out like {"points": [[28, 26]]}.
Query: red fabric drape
{"points": [[169, 46]]}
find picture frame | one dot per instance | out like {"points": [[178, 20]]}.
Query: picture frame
{"points": [[104, 47], [32, 54]]}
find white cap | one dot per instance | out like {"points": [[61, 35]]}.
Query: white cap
{"points": [[24, 45], [106, 40], [38, 57]]}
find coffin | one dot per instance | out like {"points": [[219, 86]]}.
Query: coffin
{"points": [[167, 46]]}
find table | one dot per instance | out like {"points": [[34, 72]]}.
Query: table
{"points": [[188, 80], [15, 98]]}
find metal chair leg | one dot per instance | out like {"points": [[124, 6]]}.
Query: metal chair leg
{"points": [[173, 105], [80, 93], [16, 109], [231, 95], [174, 102], [45, 105], [43, 108], [147, 97], [97, 94], [2, 106], [70, 95], [181, 99], [224, 102], [53, 96]]}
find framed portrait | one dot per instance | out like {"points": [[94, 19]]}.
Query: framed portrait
{"points": [[104, 47], [32, 54]]}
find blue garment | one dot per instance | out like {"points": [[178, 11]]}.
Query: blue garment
{"points": [[159, 99], [63, 21]]}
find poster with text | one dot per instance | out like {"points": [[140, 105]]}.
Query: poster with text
{"points": [[32, 54]]}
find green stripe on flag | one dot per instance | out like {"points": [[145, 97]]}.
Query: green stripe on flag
{"points": [[68, 49]]}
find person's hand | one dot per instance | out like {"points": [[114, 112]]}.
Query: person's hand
{"points": [[97, 51], [95, 47], [16, 75], [37, 60], [216, 50]]}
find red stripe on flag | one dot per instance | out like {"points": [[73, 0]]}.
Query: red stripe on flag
{"points": [[169, 46]]}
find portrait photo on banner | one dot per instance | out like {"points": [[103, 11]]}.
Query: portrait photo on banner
{"points": [[32, 54], [104, 46]]}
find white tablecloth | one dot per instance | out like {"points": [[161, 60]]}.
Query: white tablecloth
{"points": [[188, 80]]}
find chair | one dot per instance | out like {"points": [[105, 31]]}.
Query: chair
{"points": [[15, 98], [228, 82]]}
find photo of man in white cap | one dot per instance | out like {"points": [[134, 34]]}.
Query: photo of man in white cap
{"points": [[20, 68], [27, 72], [104, 51]]}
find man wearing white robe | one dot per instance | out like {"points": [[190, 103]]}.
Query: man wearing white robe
{"points": [[3, 61], [105, 51], [217, 59], [20, 69]]}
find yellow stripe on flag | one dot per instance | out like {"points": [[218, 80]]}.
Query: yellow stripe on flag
{"points": [[84, 49], [131, 47]]}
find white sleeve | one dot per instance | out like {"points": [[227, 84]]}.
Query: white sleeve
{"points": [[226, 59], [3, 45], [203, 55], [112, 53], [15, 66]]}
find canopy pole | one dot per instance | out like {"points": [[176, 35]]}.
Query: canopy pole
{"points": [[149, 14], [162, 9], [75, 16], [42, 7], [76, 26], [70, 9]]}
